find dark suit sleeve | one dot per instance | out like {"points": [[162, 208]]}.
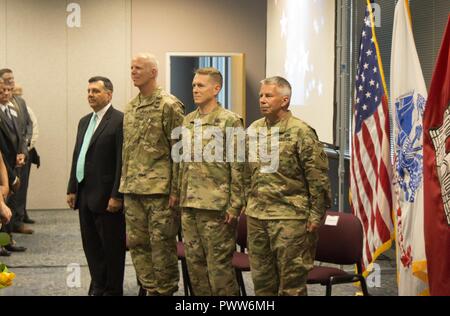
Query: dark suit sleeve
{"points": [[23, 148], [11, 172], [72, 186], [119, 142], [27, 121]]}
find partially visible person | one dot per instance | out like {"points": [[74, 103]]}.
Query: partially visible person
{"points": [[5, 217], [4, 179], [11, 148], [26, 130], [33, 156], [17, 90], [93, 189], [5, 211], [150, 179], [11, 144], [35, 135], [211, 192], [285, 204]]}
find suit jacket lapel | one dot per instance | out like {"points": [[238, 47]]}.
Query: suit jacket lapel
{"points": [[81, 132], [3, 119], [101, 127], [9, 130], [4, 127]]}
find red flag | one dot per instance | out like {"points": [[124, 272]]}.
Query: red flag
{"points": [[437, 173]]}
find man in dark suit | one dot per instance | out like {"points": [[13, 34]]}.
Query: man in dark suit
{"points": [[12, 148], [5, 211], [26, 131], [25, 125], [93, 189]]}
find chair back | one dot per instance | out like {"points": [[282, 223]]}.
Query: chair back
{"points": [[241, 238], [343, 243]]}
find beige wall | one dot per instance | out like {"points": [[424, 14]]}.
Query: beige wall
{"points": [[2, 32], [232, 26], [53, 63], [42, 71]]}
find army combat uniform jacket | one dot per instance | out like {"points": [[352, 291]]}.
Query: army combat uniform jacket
{"points": [[299, 188], [147, 166], [212, 185]]}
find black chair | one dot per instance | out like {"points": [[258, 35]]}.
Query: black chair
{"points": [[240, 259], [342, 245], [184, 270]]}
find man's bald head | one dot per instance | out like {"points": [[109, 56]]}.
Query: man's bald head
{"points": [[144, 71], [148, 59]]}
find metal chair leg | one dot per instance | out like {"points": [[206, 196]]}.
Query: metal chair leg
{"points": [[363, 283], [186, 280], [240, 280], [328, 290]]}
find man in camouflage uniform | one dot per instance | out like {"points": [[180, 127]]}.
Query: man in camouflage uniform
{"points": [[149, 179], [284, 205], [211, 191]]}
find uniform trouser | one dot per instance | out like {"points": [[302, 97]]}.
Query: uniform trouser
{"points": [[209, 245], [281, 255], [103, 237], [151, 231]]}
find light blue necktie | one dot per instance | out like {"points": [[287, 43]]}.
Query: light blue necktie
{"points": [[84, 147]]}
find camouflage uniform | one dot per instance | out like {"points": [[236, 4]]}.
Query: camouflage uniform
{"points": [[279, 205], [207, 191], [148, 177]]}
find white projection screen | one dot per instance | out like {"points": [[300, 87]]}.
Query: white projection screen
{"points": [[300, 48]]}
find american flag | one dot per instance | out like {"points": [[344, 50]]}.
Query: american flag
{"points": [[370, 173]]}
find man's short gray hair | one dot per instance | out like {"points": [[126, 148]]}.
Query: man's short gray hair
{"points": [[284, 87]]}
